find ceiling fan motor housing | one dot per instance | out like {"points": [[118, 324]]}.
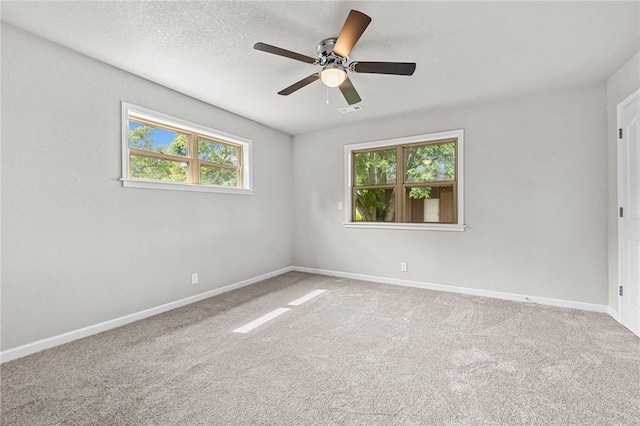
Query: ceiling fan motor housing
{"points": [[326, 55]]}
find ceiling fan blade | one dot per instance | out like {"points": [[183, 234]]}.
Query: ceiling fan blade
{"points": [[349, 92], [299, 85], [283, 52], [395, 68], [350, 33]]}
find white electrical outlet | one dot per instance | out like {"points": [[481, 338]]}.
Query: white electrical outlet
{"points": [[194, 278], [403, 266], [339, 205]]}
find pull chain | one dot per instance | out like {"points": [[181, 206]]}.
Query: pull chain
{"points": [[327, 95]]}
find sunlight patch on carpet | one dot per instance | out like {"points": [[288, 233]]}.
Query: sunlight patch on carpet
{"points": [[306, 297], [263, 319]]}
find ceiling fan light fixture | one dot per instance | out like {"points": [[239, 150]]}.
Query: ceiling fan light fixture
{"points": [[333, 76], [333, 54]]}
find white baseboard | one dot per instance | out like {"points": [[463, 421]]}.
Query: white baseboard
{"points": [[40, 345], [462, 290], [70, 336], [613, 313]]}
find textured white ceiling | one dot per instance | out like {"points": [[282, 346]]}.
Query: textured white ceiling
{"points": [[466, 52]]}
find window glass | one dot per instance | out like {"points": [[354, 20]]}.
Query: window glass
{"points": [[218, 176], [429, 204], [158, 149], [154, 139], [430, 163], [375, 205], [410, 180], [157, 168], [217, 152], [375, 167]]}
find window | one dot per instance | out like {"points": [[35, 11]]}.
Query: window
{"points": [[407, 183], [159, 151]]}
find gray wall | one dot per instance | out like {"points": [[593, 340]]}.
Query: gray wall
{"points": [[78, 248], [535, 198], [620, 85]]}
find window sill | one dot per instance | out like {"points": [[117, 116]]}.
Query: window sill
{"points": [[174, 186], [407, 226]]}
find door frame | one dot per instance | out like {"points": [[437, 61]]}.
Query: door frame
{"points": [[619, 109]]}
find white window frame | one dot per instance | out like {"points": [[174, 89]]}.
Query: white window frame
{"points": [[427, 137], [135, 111]]}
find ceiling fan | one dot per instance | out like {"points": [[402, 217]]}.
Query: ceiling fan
{"points": [[333, 54]]}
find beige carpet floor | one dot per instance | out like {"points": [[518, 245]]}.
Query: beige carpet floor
{"points": [[361, 353]]}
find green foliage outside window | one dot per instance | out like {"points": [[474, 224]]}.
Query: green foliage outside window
{"points": [[375, 168], [142, 167], [429, 163], [154, 168], [218, 176], [217, 152], [422, 164]]}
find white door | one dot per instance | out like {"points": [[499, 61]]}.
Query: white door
{"points": [[629, 215]]}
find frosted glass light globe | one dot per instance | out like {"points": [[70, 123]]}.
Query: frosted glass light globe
{"points": [[333, 77]]}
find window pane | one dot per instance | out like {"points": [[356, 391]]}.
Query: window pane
{"points": [[156, 139], [429, 204], [217, 152], [430, 163], [155, 168], [375, 205], [218, 176], [375, 167]]}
